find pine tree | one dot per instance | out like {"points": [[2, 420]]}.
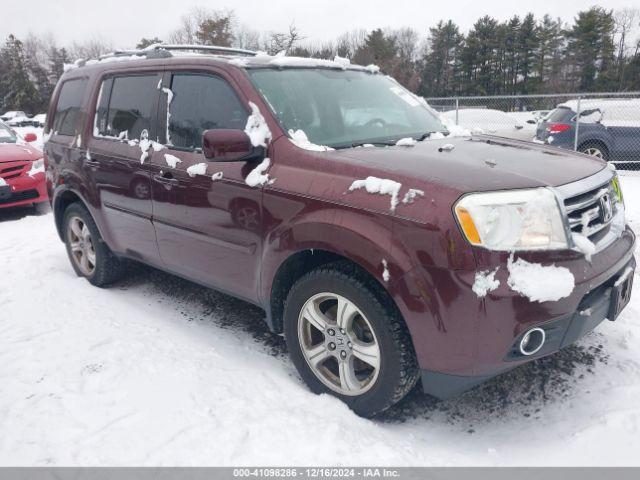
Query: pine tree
{"points": [[591, 48], [17, 92], [440, 65]]}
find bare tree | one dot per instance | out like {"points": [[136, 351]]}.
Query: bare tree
{"points": [[284, 42], [625, 20], [92, 48], [407, 42], [204, 26]]}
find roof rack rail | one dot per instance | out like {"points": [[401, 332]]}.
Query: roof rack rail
{"points": [[161, 50], [202, 48]]}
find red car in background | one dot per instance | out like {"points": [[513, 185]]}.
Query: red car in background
{"points": [[22, 177]]}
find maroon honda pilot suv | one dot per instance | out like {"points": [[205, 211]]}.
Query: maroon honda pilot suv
{"points": [[388, 251]]}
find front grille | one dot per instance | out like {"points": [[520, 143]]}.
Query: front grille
{"points": [[20, 196], [590, 213], [13, 170]]}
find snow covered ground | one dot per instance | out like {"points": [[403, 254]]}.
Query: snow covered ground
{"points": [[159, 371]]}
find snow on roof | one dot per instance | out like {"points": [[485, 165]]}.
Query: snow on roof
{"points": [[260, 59], [602, 103]]}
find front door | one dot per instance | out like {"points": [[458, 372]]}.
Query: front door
{"points": [[208, 221], [126, 113]]}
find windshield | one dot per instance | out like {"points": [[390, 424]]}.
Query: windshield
{"points": [[7, 135], [342, 109]]}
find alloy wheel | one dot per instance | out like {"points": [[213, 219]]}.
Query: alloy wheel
{"points": [[339, 344], [81, 245], [594, 152]]}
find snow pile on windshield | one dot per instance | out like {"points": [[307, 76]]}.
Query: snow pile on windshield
{"points": [[257, 176], [540, 283], [485, 282], [300, 139], [371, 68], [406, 142], [197, 169], [172, 160], [411, 195], [583, 244], [257, 128], [385, 270], [381, 186]]}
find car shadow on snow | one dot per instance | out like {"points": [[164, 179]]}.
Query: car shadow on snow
{"points": [[522, 392], [197, 303]]}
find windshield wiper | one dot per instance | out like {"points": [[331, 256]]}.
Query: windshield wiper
{"points": [[378, 143], [426, 135]]}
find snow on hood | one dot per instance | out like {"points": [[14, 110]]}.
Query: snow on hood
{"points": [[300, 139], [2, 182], [14, 152], [464, 169]]}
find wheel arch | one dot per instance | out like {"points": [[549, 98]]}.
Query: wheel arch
{"points": [[599, 142], [61, 202], [302, 262]]}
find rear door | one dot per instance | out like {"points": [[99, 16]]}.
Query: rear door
{"points": [[208, 221], [126, 114]]}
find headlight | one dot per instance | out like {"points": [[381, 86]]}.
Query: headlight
{"points": [[512, 220], [615, 184]]}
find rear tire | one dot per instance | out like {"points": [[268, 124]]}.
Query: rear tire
{"points": [[90, 256], [595, 149], [369, 364]]}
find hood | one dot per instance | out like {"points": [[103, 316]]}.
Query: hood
{"points": [[480, 163], [16, 152]]}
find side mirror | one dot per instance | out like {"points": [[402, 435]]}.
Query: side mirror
{"points": [[30, 137], [227, 145]]}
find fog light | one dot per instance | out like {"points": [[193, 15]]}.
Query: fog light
{"points": [[532, 341]]}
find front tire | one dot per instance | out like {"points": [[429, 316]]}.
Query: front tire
{"points": [[90, 256], [347, 339]]}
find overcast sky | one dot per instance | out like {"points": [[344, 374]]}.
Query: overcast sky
{"points": [[124, 22]]}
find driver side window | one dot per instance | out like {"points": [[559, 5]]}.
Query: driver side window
{"points": [[201, 102]]}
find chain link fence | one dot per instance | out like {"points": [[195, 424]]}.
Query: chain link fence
{"points": [[606, 125]]}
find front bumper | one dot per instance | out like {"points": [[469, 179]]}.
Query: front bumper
{"points": [[462, 340], [25, 190], [560, 332]]}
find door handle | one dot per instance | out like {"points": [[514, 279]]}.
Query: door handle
{"points": [[91, 163]]}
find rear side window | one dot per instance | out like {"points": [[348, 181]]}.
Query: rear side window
{"points": [[68, 115], [561, 114], [127, 105], [201, 102]]}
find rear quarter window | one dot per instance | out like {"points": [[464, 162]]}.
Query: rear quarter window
{"points": [[127, 106], [561, 114], [68, 114]]}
